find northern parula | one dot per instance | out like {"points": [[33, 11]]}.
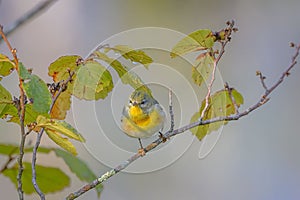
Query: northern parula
{"points": [[142, 116]]}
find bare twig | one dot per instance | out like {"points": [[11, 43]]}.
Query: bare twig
{"points": [[21, 113], [236, 107], [171, 110], [5, 166], [40, 134], [216, 61], [9, 160], [42, 6], [169, 134], [262, 79]]}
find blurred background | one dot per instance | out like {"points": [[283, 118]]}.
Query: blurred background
{"points": [[256, 157]]}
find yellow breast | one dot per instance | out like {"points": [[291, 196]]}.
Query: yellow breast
{"points": [[139, 117]]}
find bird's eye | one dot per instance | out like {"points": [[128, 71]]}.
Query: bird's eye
{"points": [[130, 102], [143, 102]]}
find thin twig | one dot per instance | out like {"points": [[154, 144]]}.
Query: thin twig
{"points": [[168, 134], [236, 107], [40, 134], [21, 113], [9, 160], [216, 61], [172, 122], [28, 16], [5, 166], [262, 80]]}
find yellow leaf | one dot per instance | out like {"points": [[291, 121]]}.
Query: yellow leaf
{"points": [[61, 105], [61, 141], [59, 126]]}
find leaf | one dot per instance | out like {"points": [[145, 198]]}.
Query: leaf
{"points": [[40, 149], [5, 96], [23, 72], [61, 141], [92, 82], [49, 179], [37, 90], [9, 113], [5, 101], [58, 70], [220, 104], [6, 65], [79, 168], [128, 53], [198, 40], [127, 77], [10, 149], [59, 126], [61, 105], [7, 109], [203, 68]]}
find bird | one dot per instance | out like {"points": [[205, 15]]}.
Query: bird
{"points": [[142, 117]]}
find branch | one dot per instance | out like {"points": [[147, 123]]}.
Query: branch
{"points": [[21, 113], [28, 16], [40, 134], [228, 32], [171, 111], [9, 160], [168, 134]]}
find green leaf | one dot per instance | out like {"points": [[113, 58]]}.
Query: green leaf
{"points": [[6, 65], [128, 53], [59, 69], [49, 179], [203, 68], [127, 77], [59, 126], [40, 150], [23, 72], [198, 40], [61, 141], [37, 90], [5, 96], [92, 82], [10, 113], [79, 168], [220, 104], [7, 109], [10, 149], [5, 101], [31, 114]]}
